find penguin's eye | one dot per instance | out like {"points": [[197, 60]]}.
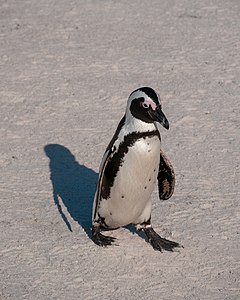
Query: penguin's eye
{"points": [[145, 105]]}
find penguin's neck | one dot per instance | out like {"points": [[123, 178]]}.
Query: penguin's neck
{"points": [[133, 128], [133, 124]]}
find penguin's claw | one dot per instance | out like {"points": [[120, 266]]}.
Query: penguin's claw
{"points": [[158, 243], [102, 240], [163, 244]]}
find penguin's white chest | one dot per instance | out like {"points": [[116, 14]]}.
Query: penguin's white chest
{"points": [[129, 200]]}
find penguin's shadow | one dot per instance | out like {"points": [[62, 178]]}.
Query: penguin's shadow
{"points": [[73, 186]]}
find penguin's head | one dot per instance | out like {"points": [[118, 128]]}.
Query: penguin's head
{"points": [[145, 104]]}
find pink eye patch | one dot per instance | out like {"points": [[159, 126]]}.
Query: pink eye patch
{"points": [[148, 102]]}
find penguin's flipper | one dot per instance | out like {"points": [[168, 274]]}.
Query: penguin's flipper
{"points": [[102, 191], [102, 182], [166, 178], [97, 222]]}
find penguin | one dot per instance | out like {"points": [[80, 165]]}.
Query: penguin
{"points": [[130, 167]]}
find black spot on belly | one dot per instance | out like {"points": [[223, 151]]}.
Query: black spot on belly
{"points": [[149, 179], [145, 187], [122, 196]]}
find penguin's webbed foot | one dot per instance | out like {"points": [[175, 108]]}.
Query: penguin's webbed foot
{"points": [[159, 243], [100, 239]]}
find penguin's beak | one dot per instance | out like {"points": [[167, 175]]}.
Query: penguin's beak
{"points": [[158, 115]]}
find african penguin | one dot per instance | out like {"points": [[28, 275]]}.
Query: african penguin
{"points": [[130, 167]]}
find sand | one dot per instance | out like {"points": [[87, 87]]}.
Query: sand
{"points": [[66, 70]]}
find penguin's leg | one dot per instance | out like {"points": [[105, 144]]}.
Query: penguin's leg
{"points": [[157, 242], [100, 239]]}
